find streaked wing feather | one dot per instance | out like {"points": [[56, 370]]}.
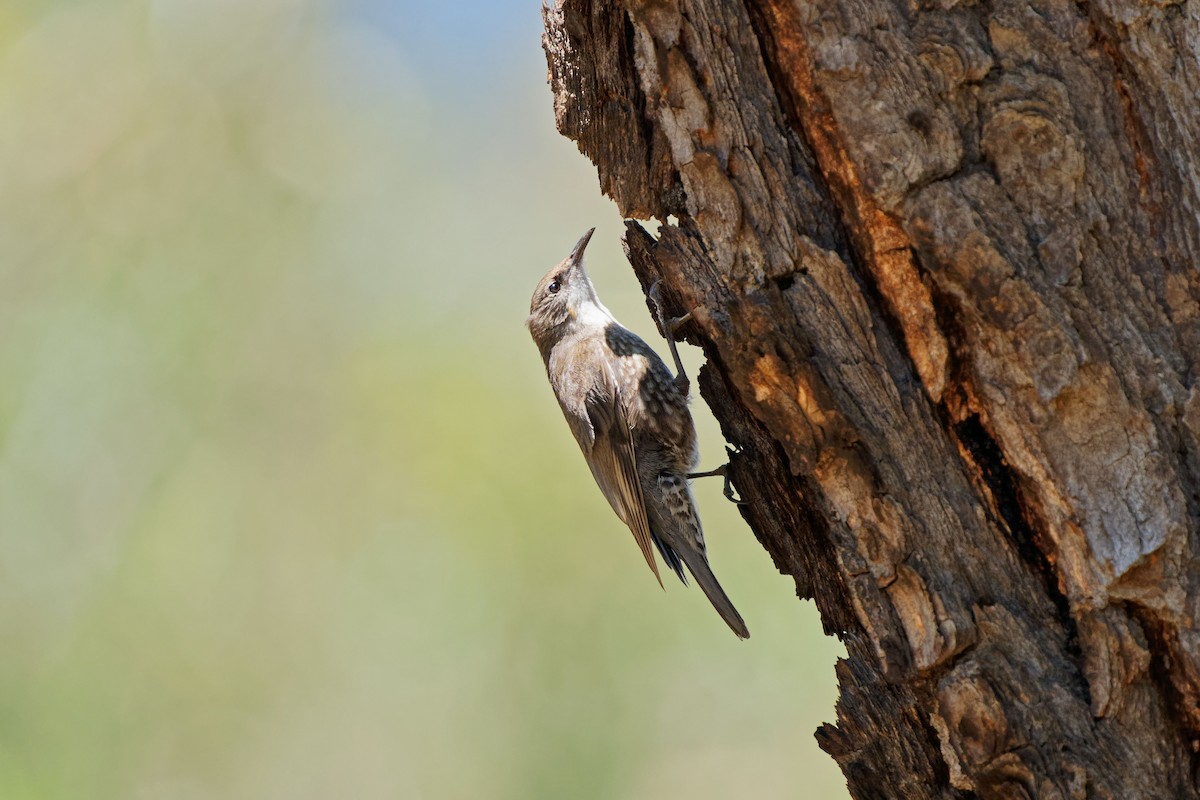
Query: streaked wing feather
{"points": [[614, 465]]}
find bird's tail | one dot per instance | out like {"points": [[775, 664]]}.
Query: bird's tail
{"points": [[697, 564]]}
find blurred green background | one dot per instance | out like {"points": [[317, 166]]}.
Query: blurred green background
{"points": [[287, 509]]}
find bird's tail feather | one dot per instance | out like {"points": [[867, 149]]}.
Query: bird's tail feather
{"points": [[670, 557], [697, 564]]}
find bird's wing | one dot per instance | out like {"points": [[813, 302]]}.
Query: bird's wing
{"points": [[614, 466]]}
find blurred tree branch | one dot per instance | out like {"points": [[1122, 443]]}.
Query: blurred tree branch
{"points": [[946, 257]]}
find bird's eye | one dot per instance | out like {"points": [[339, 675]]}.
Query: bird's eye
{"points": [[554, 286]]}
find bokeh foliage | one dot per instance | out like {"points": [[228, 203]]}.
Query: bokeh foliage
{"points": [[286, 507]]}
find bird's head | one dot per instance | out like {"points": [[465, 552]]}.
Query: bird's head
{"points": [[563, 298]]}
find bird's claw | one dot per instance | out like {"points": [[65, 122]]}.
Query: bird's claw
{"points": [[727, 489], [655, 295], [668, 327]]}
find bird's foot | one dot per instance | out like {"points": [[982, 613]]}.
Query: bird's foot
{"points": [[727, 490], [668, 328]]}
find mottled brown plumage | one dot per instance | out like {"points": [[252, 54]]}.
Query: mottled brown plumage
{"points": [[630, 417]]}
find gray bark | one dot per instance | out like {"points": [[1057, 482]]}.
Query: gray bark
{"points": [[945, 261]]}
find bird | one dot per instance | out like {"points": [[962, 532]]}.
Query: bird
{"points": [[630, 416]]}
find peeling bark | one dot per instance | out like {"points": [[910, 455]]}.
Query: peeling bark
{"points": [[944, 258]]}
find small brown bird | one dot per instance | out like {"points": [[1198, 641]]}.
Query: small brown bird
{"points": [[630, 418]]}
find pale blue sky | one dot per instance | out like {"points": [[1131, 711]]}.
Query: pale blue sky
{"points": [[466, 45]]}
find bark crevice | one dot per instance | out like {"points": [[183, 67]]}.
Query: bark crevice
{"points": [[1004, 491]]}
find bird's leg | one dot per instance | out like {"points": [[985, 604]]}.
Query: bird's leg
{"points": [[668, 328], [723, 471]]}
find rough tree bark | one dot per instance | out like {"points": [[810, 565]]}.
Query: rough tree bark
{"points": [[946, 254]]}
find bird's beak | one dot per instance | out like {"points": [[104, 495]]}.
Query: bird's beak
{"points": [[576, 257]]}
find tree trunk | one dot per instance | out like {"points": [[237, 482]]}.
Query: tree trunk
{"points": [[944, 257]]}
